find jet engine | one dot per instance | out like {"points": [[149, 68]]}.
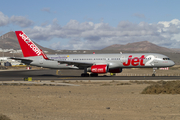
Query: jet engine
{"points": [[104, 69], [99, 69], [115, 70]]}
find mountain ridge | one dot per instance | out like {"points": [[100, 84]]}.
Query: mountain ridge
{"points": [[9, 41], [143, 46]]}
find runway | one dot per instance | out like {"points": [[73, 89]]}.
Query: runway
{"points": [[49, 74]]}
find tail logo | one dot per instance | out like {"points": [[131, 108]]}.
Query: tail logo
{"points": [[30, 44]]}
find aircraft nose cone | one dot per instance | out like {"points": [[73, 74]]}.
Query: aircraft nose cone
{"points": [[172, 63]]}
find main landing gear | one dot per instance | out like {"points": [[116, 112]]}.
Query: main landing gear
{"points": [[94, 75], [154, 72], [85, 74]]}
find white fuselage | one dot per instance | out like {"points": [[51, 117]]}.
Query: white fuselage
{"points": [[129, 60]]}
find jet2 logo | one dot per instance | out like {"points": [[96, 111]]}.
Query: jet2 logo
{"points": [[134, 61], [30, 44], [97, 70]]}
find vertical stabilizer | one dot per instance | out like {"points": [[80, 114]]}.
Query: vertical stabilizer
{"points": [[27, 46], [44, 55]]}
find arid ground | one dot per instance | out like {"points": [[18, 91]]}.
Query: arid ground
{"points": [[108, 100]]}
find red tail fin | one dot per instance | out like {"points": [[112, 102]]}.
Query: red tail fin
{"points": [[27, 46], [44, 55]]}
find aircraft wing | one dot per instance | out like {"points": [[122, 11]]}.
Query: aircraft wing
{"points": [[78, 64], [23, 59]]}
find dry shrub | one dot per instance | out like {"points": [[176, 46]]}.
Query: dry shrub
{"points": [[105, 84], [3, 117], [64, 81], [123, 84], [169, 87], [143, 82]]}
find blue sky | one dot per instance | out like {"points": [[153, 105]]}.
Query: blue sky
{"points": [[95, 24]]}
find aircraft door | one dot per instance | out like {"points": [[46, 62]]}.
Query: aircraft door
{"points": [[155, 59], [123, 59]]}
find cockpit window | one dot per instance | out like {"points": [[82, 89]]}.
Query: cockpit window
{"points": [[166, 58]]}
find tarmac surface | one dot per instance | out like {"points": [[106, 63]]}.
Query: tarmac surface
{"points": [[51, 74]]}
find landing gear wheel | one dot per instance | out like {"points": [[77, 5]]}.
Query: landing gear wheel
{"points": [[154, 71], [94, 75], [84, 75]]}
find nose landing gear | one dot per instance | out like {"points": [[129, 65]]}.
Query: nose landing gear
{"points": [[154, 72]]}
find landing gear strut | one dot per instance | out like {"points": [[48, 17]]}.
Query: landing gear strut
{"points": [[85, 74], [154, 72]]}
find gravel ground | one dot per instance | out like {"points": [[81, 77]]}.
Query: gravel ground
{"points": [[89, 101]]}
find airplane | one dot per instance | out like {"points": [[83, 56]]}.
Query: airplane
{"points": [[93, 63]]}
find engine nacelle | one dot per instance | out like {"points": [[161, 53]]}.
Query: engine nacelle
{"points": [[99, 69], [115, 70]]}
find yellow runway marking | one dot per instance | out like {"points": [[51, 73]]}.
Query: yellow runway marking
{"points": [[57, 72]]}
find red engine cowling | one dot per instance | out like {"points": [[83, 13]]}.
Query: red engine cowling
{"points": [[99, 69], [115, 70]]}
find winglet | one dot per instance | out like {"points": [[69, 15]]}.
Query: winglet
{"points": [[28, 47]]}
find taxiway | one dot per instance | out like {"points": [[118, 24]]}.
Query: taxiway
{"points": [[49, 74]]}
